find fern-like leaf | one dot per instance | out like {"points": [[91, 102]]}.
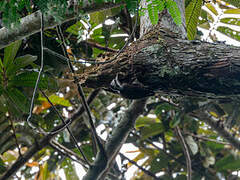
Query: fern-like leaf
{"points": [[174, 11], [192, 13], [153, 13]]}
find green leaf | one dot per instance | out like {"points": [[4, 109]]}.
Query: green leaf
{"points": [[10, 53], [149, 127], [153, 13], [233, 2], [88, 151], [28, 79], [145, 121], [154, 9], [232, 11], [212, 8], [9, 156], [151, 130], [160, 4], [1, 90], [160, 161], [18, 99], [1, 65], [73, 29], [229, 32], [192, 13], [192, 145], [174, 11], [20, 62], [44, 171], [232, 21], [69, 169], [203, 22], [2, 166], [214, 146], [56, 100], [132, 5], [228, 163]]}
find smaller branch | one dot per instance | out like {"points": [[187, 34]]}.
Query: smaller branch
{"points": [[203, 115], [168, 169], [98, 46], [68, 129], [168, 154], [208, 139], [15, 137], [67, 152], [185, 151], [90, 61], [81, 94], [139, 167], [38, 78], [119, 135], [44, 141], [31, 24], [159, 149]]}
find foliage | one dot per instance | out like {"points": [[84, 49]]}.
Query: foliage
{"points": [[192, 12], [220, 18], [157, 6], [156, 146], [11, 11]]}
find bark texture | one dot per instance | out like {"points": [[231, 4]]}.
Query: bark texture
{"points": [[165, 63]]}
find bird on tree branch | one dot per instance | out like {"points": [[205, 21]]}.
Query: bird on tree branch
{"points": [[130, 91]]}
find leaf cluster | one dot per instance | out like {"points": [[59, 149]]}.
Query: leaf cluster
{"points": [[157, 6]]}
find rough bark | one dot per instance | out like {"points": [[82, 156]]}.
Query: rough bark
{"points": [[166, 63]]}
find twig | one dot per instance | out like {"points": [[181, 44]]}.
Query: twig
{"points": [[44, 141], [9, 36], [90, 61], [139, 167], [98, 46], [81, 93], [38, 78], [203, 115], [67, 152], [185, 151], [68, 129], [14, 134], [208, 139], [159, 149]]}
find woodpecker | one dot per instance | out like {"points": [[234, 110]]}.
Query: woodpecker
{"points": [[130, 91]]}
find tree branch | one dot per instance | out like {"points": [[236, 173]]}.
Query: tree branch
{"points": [[217, 126], [44, 142], [167, 64], [31, 24], [67, 152], [149, 173], [185, 151], [118, 137]]}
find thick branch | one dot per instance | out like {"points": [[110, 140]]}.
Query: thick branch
{"points": [[31, 24], [167, 64]]}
